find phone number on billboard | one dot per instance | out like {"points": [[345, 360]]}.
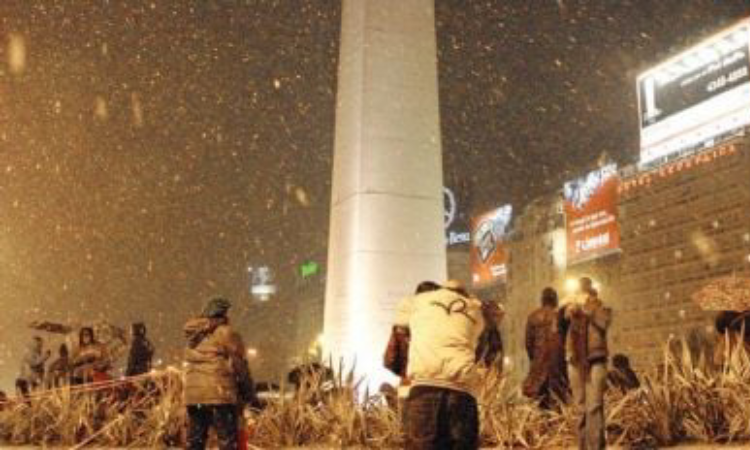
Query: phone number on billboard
{"points": [[730, 78]]}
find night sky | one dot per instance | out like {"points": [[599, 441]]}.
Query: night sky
{"points": [[151, 151]]}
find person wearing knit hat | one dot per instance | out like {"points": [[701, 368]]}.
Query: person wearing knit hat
{"points": [[217, 377], [216, 308]]}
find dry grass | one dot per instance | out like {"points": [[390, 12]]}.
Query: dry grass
{"points": [[146, 412], [685, 400]]}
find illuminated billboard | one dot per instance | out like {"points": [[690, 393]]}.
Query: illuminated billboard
{"points": [[489, 252], [590, 204], [262, 284], [696, 98]]}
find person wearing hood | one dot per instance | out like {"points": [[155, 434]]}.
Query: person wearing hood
{"points": [[32, 367], [91, 362], [141, 352], [217, 377]]}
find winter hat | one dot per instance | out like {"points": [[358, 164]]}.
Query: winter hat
{"points": [[216, 307]]}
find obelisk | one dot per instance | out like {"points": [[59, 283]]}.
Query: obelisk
{"points": [[386, 228]]}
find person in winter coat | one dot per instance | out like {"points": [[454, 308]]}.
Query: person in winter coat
{"points": [[217, 378], [31, 374], [587, 354], [141, 351], [58, 373], [441, 410], [91, 362], [546, 380]]}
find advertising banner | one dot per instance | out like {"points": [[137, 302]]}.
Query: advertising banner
{"points": [[697, 97], [489, 252], [590, 204]]}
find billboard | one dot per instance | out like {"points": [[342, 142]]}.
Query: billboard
{"points": [[697, 97], [488, 252], [590, 204]]}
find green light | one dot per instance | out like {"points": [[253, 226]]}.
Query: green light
{"points": [[309, 268]]}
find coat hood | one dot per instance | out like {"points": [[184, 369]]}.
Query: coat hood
{"points": [[199, 328]]}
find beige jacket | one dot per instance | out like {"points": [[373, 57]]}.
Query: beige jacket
{"points": [[586, 341], [445, 329], [213, 357]]}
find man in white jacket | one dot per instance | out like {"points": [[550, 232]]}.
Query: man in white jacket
{"points": [[441, 411]]}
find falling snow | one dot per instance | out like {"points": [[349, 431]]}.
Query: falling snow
{"points": [[151, 152]]}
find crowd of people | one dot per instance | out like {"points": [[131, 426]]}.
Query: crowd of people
{"points": [[444, 339], [87, 362]]}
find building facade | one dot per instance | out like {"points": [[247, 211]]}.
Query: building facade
{"points": [[682, 225]]}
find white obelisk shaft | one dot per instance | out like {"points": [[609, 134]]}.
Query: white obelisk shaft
{"points": [[386, 231]]}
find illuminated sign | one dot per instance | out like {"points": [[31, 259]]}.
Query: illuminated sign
{"points": [[697, 97], [591, 215], [456, 227], [488, 253], [309, 269], [646, 179], [262, 285]]}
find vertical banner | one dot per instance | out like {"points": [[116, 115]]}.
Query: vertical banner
{"points": [[591, 215], [489, 253]]}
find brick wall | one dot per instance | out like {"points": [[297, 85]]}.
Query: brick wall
{"points": [[681, 226]]}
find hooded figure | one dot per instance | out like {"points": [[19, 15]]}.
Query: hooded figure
{"points": [[91, 361], [141, 352], [217, 376]]}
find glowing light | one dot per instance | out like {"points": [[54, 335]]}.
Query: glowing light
{"points": [[16, 54], [571, 285], [252, 352]]}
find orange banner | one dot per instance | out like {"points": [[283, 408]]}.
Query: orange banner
{"points": [[591, 215], [488, 253]]}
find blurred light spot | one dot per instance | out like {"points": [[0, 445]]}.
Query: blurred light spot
{"points": [[16, 54], [135, 104], [301, 196], [100, 108]]}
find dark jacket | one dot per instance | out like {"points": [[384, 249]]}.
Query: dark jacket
{"points": [[587, 333], [140, 356], [396, 357], [623, 378], [545, 351], [217, 371]]}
